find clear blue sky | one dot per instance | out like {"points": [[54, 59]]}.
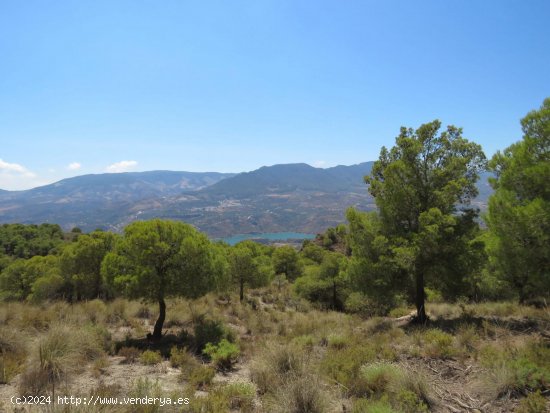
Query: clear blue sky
{"points": [[232, 85]]}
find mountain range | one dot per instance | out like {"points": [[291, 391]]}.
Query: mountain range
{"points": [[279, 198]]}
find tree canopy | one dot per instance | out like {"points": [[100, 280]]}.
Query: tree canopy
{"points": [[418, 186], [519, 210], [157, 259]]}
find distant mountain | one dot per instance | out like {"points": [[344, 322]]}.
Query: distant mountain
{"points": [[291, 177], [278, 198], [97, 200]]}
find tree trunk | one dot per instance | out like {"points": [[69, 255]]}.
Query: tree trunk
{"points": [[420, 298], [157, 332], [334, 296], [241, 292]]}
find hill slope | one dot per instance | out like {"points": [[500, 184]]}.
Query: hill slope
{"points": [[278, 198]]}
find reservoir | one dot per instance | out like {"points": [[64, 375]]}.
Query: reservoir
{"points": [[271, 236]]}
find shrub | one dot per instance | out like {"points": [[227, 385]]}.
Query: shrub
{"points": [[180, 357], [302, 394], [275, 364], [223, 354], [399, 312], [12, 353], [533, 403], [378, 376], [337, 341], [201, 376], [130, 354], [373, 406], [210, 331], [438, 344], [343, 366], [240, 396], [516, 371], [144, 387], [150, 358]]}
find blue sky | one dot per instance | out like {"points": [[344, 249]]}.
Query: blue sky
{"points": [[96, 86]]}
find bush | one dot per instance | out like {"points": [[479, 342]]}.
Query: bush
{"points": [[232, 397], [201, 376], [276, 364], [533, 403], [343, 366], [150, 358], [223, 354], [516, 371], [378, 376], [438, 344], [240, 396], [130, 354], [180, 357], [302, 394], [373, 406], [210, 331], [144, 387]]}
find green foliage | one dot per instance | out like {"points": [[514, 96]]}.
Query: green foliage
{"points": [[533, 403], [438, 344], [209, 331], [201, 376], [377, 269], [373, 406], [150, 358], [325, 284], [518, 215], [144, 387], [180, 357], [157, 259], [248, 266], [417, 186], [343, 365], [516, 370], [80, 263], [36, 278], [26, 241], [223, 354], [286, 261]]}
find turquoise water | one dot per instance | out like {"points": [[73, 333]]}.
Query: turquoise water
{"points": [[272, 236]]}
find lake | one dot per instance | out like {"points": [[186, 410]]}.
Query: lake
{"points": [[272, 236]]}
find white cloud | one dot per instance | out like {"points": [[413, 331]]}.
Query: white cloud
{"points": [[122, 166], [14, 167], [319, 164], [14, 176], [73, 166]]}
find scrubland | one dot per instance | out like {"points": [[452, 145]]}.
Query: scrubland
{"points": [[274, 352]]}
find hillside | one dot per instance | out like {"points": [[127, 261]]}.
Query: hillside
{"points": [[101, 200], [278, 198]]}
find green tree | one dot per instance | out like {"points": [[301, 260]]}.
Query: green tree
{"points": [[326, 283], [287, 261], [248, 266], [518, 216], [81, 263], [18, 278], [418, 185], [26, 241], [157, 259]]}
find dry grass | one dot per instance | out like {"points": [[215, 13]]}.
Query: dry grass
{"points": [[293, 358]]}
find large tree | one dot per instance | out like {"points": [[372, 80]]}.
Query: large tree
{"points": [[519, 210], [419, 185], [157, 259], [248, 266]]}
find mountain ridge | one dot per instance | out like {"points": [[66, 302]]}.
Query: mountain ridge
{"points": [[277, 198]]}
